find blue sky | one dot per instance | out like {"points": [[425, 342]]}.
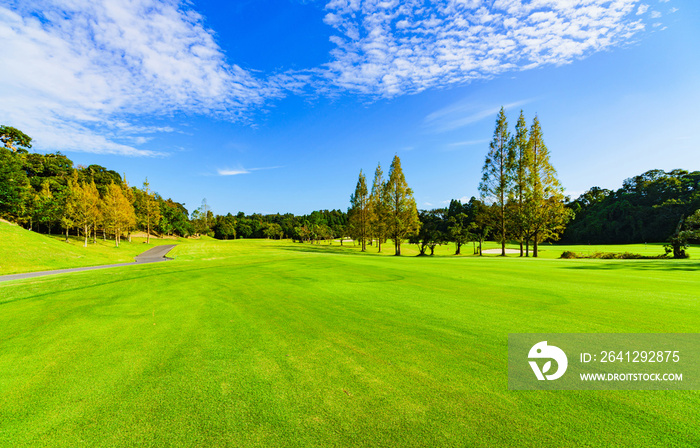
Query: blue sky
{"points": [[275, 106]]}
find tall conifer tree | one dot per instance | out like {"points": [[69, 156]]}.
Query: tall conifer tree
{"points": [[546, 211], [378, 210], [359, 211], [402, 214], [521, 178], [497, 182]]}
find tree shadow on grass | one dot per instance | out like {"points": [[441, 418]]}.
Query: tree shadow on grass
{"points": [[650, 265], [310, 248]]}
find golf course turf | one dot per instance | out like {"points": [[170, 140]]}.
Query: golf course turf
{"points": [[276, 344]]}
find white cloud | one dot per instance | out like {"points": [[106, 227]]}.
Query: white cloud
{"points": [[642, 9], [74, 69], [393, 48], [87, 75], [655, 14], [233, 172], [241, 170], [672, 10]]}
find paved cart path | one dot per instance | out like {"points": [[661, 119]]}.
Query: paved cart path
{"points": [[153, 255]]}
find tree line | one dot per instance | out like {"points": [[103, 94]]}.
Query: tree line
{"points": [[388, 211], [521, 200], [46, 192], [647, 208]]}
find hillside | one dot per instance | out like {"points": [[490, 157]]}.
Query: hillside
{"points": [[25, 251]]}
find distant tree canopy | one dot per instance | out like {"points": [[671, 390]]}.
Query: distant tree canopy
{"points": [[647, 208], [44, 192], [14, 139]]}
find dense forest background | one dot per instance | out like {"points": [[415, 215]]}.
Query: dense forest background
{"points": [[647, 208]]}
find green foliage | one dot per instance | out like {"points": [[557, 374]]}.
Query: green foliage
{"points": [[14, 139], [14, 187], [432, 232], [647, 208], [496, 184], [545, 213], [378, 211], [359, 212], [402, 214], [688, 230]]}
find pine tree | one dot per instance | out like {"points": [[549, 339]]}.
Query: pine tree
{"points": [[149, 208], [67, 201], [497, 182], [118, 211], [520, 181], [95, 211], [86, 207], [546, 212], [129, 212], [359, 211], [402, 214], [48, 207], [378, 210]]}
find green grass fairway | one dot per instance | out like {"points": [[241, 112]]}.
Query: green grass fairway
{"points": [[25, 251], [275, 344]]}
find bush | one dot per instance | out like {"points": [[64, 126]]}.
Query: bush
{"points": [[613, 256]]}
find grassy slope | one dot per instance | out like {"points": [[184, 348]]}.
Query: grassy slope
{"points": [[254, 343], [25, 251]]}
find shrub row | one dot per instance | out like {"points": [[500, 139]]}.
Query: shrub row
{"points": [[612, 255]]}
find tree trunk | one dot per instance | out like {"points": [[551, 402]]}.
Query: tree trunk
{"points": [[534, 245], [66, 234], [148, 233], [481, 254], [459, 248], [85, 230], [527, 247], [521, 247]]}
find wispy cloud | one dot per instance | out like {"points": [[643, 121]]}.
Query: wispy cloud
{"points": [[73, 70], [456, 145], [389, 48], [462, 114], [82, 75], [241, 170]]}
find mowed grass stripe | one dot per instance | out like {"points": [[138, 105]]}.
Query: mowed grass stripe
{"points": [[258, 343]]}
